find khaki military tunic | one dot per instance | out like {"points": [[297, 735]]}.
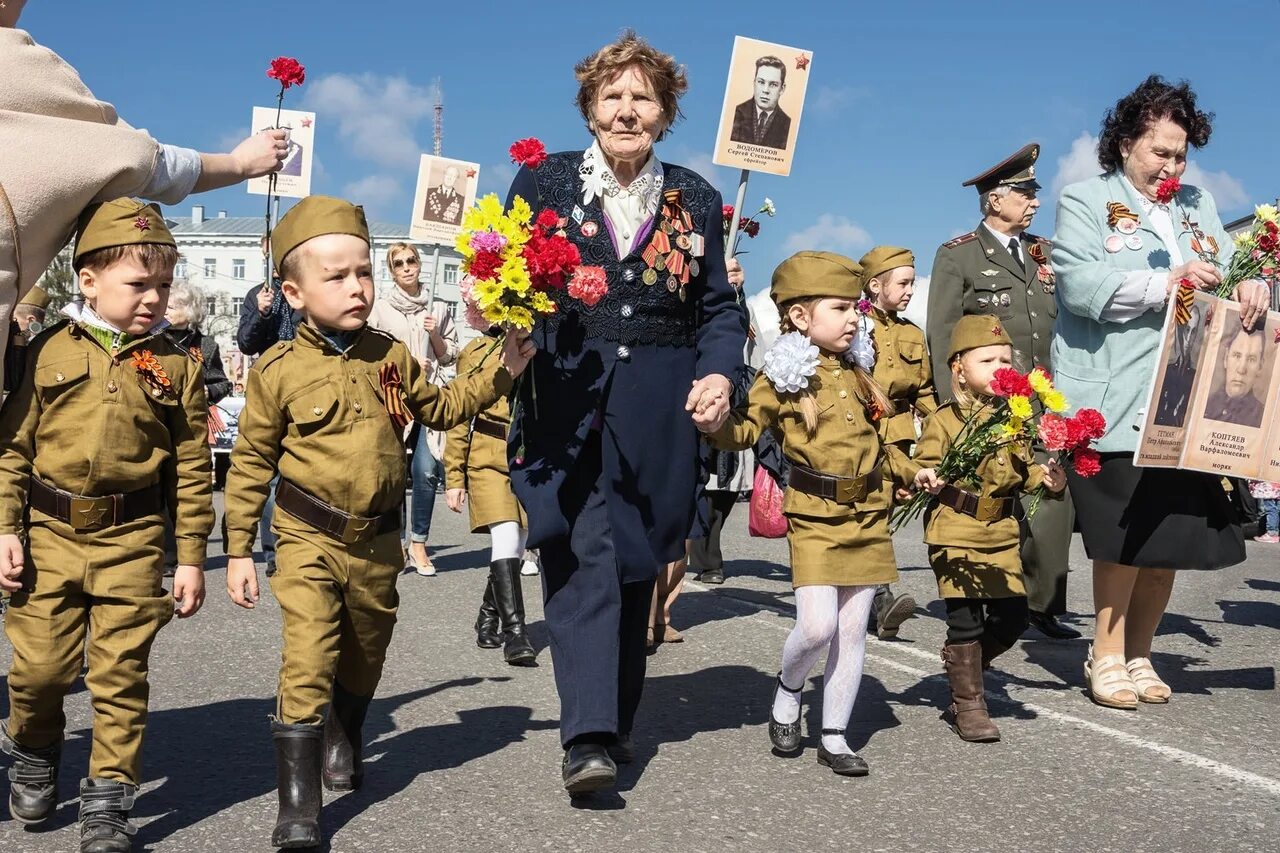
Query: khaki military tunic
{"points": [[975, 274], [972, 558], [477, 461], [85, 420], [319, 417], [902, 369], [832, 544]]}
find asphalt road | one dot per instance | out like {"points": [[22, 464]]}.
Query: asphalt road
{"points": [[464, 753]]}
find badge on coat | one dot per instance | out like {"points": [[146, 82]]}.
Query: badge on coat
{"points": [[1113, 243]]}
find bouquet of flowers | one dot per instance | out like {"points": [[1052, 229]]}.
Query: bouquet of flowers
{"points": [[1071, 438], [1257, 254], [1009, 417], [748, 225]]}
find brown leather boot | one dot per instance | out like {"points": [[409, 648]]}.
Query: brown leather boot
{"points": [[968, 711]]}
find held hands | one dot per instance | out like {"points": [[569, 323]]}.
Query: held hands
{"points": [[1055, 479], [262, 153], [736, 276], [709, 402], [188, 590], [242, 581], [1255, 299], [12, 562], [455, 498], [929, 480], [517, 351]]}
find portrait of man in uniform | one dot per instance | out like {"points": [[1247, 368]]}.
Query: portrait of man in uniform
{"points": [[760, 120], [1180, 370], [445, 203], [1234, 399]]}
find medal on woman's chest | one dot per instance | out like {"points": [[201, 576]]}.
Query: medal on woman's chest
{"points": [[670, 252]]}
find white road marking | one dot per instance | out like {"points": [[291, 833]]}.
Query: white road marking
{"points": [[1173, 753]]}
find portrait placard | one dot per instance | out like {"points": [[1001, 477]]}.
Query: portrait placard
{"points": [[446, 188], [763, 101], [1212, 404], [294, 178]]}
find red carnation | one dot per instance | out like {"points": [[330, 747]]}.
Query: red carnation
{"points": [[727, 212], [548, 219], [1087, 461], [528, 152], [288, 71], [749, 226], [1268, 242], [1168, 188], [1054, 432], [1008, 382], [1092, 422], [484, 265], [588, 285]]}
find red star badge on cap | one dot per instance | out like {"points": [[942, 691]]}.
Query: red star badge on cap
{"points": [[802, 62], [306, 122], [471, 173], [996, 331], [142, 223]]}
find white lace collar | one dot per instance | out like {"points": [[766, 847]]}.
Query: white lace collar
{"points": [[598, 180]]}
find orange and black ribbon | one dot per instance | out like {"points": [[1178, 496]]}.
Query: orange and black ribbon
{"points": [[1036, 251], [1186, 297], [152, 373], [196, 354], [393, 394], [1116, 211]]}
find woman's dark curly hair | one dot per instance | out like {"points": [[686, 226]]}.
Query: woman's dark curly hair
{"points": [[1154, 99]]}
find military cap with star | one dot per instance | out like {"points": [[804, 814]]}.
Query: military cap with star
{"points": [[120, 222], [807, 274], [976, 330], [315, 216], [1017, 171]]}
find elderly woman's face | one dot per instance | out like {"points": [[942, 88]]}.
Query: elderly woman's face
{"points": [[627, 117], [1158, 154], [178, 316]]}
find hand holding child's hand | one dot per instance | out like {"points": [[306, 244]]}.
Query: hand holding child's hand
{"points": [[242, 581], [12, 562], [928, 480]]}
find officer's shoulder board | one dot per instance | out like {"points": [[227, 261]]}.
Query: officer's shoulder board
{"points": [[961, 240], [1036, 238], [272, 355]]}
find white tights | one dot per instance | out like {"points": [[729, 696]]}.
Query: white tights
{"points": [[506, 541], [834, 618]]}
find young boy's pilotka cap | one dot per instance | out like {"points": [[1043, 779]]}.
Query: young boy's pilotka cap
{"points": [[314, 216], [808, 274], [37, 297], [881, 259], [977, 330], [121, 222]]}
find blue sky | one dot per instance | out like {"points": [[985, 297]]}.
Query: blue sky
{"points": [[906, 100]]}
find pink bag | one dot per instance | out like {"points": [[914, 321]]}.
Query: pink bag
{"points": [[766, 519]]}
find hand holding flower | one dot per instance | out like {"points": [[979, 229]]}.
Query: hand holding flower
{"points": [[928, 479], [1055, 478]]}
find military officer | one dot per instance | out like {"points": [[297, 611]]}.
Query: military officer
{"points": [[1000, 268]]}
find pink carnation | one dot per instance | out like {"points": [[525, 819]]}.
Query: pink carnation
{"points": [[588, 285], [475, 319], [1054, 432], [488, 241]]}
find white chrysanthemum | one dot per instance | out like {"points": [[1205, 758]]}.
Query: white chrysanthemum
{"points": [[861, 351], [790, 362], [768, 207]]}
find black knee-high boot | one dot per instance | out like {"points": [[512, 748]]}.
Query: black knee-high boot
{"points": [[298, 762], [508, 595], [488, 628]]}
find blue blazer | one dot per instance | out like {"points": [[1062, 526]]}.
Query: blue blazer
{"points": [[1098, 363], [630, 362]]}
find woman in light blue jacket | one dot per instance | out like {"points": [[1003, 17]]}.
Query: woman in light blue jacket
{"points": [[1118, 255]]}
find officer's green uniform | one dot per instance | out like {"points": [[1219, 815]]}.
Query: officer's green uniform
{"points": [[976, 274], [99, 414]]}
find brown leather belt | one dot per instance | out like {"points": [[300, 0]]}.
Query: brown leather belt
{"points": [[983, 509], [843, 490], [490, 428], [86, 514], [334, 523]]}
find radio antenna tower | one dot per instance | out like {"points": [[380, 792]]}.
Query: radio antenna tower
{"points": [[437, 123]]}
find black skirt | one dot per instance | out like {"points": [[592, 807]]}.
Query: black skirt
{"points": [[1155, 518]]}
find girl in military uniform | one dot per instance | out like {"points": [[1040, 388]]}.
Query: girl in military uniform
{"points": [[476, 473], [972, 534], [816, 392], [902, 370]]}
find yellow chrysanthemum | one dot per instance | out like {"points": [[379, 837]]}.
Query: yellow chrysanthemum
{"points": [[542, 303], [1243, 239], [1054, 401], [520, 317], [1040, 381], [488, 293], [1019, 406], [1012, 427], [495, 313], [463, 244], [1266, 212], [521, 213], [515, 276]]}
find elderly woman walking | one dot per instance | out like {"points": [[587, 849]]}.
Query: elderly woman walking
{"points": [[406, 312], [607, 471], [1125, 241]]}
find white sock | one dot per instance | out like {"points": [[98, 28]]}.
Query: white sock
{"points": [[816, 622]]}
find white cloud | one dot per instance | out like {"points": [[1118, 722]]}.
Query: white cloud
{"points": [[1227, 192], [496, 179], [830, 232], [376, 116], [1078, 164], [918, 309], [376, 193]]}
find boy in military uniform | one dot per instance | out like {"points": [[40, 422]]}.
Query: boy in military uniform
{"points": [[106, 428], [902, 370], [327, 410]]}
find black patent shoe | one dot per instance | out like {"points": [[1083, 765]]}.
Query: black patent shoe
{"points": [[842, 764], [622, 750], [587, 768], [1048, 624], [785, 736], [715, 577]]}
